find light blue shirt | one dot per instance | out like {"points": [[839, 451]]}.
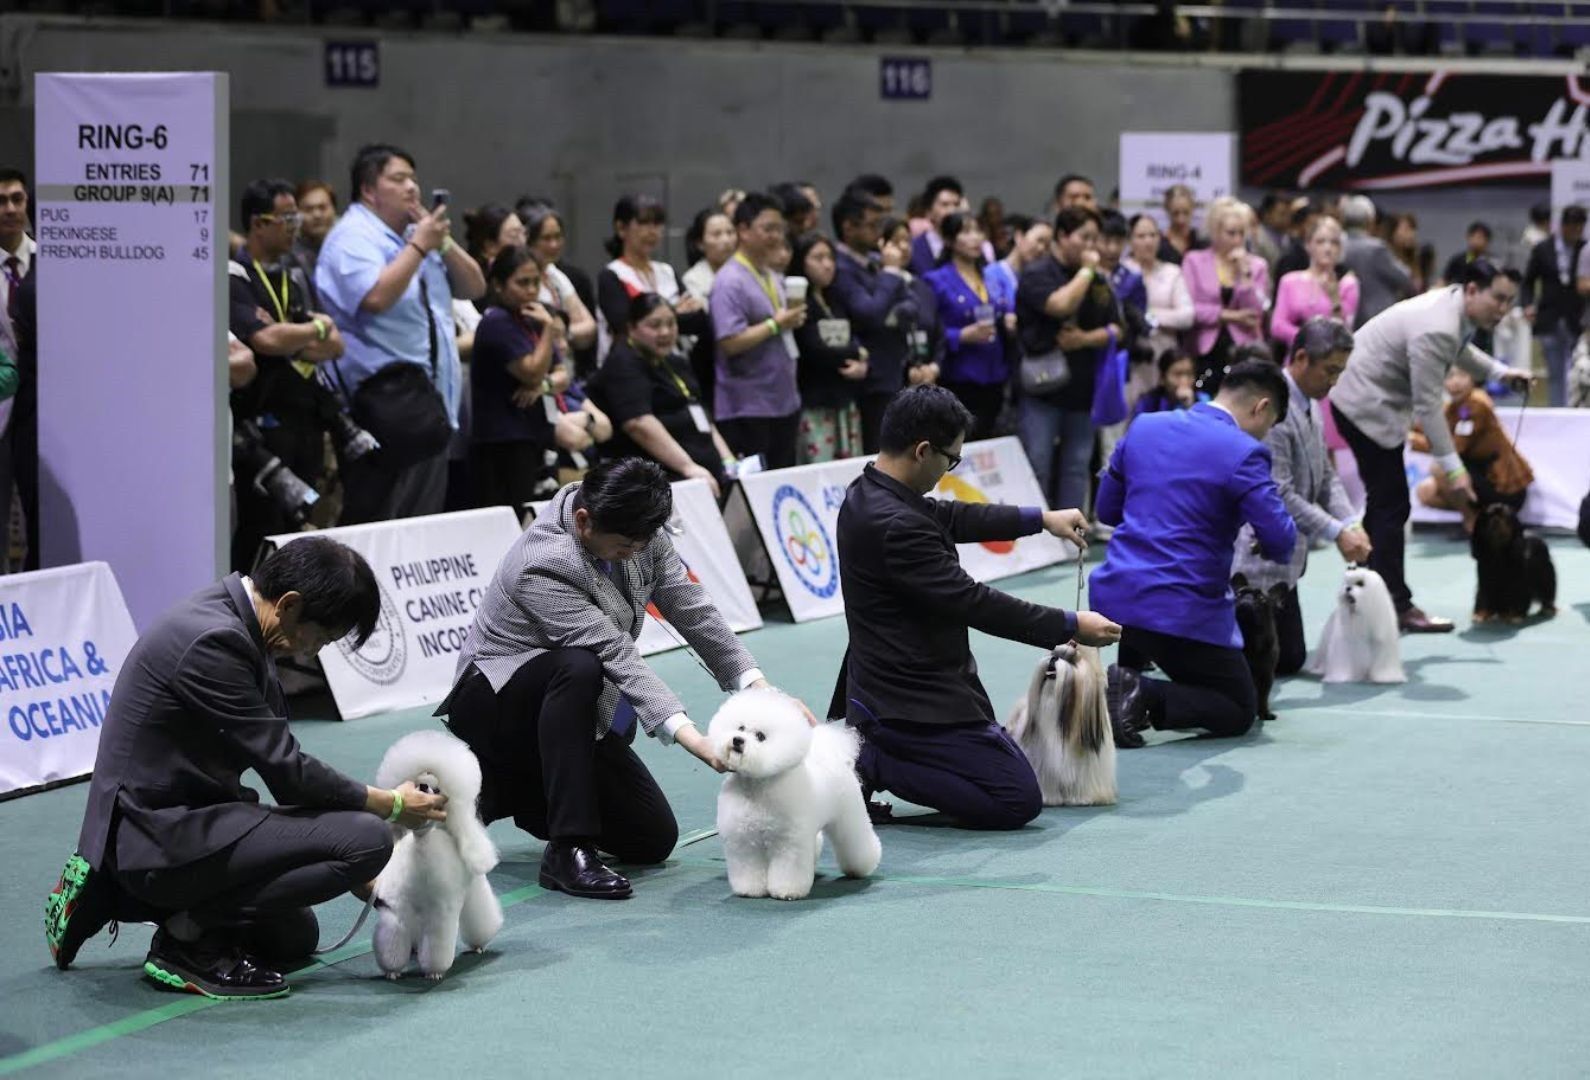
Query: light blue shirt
{"points": [[358, 248]]}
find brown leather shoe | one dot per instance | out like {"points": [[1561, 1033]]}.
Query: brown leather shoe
{"points": [[1414, 621]]}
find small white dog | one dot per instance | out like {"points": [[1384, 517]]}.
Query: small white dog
{"points": [[1360, 642], [434, 889], [790, 785], [1063, 726]]}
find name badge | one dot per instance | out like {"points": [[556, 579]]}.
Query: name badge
{"points": [[698, 416], [549, 402], [835, 333], [1463, 428]]}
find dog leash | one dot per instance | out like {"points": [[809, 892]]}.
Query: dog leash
{"points": [[357, 923]]}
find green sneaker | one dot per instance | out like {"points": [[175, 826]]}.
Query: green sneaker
{"points": [[77, 908]]}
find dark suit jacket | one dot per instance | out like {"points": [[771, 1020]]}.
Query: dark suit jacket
{"points": [[197, 703], [908, 604], [1558, 303]]}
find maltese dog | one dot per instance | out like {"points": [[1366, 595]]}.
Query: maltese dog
{"points": [[790, 784], [1360, 642], [434, 889], [1063, 727]]}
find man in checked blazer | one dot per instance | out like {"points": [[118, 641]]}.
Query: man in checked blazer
{"points": [[551, 687], [1309, 486]]}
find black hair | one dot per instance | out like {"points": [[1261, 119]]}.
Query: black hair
{"points": [[1112, 223], [1131, 224], [1309, 209], [535, 213], [339, 588], [1168, 358], [950, 228], [1019, 223], [1067, 180], [803, 247], [1573, 215], [1072, 218], [259, 200], [10, 174], [1482, 272], [755, 204], [1478, 227], [508, 262], [641, 305], [370, 162], [1253, 350], [926, 413], [872, 184], [941, 184], [481, 226], [632, 208], [791, 199], [888, 226], [852, 207], [1540, 213], [629, 497], [1270, 201], [1321, 336], [697, 233], [309, 187], [1258, 378]]}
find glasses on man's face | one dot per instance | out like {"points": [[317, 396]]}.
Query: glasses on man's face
{"points": [[953, 459], [290, 220]]}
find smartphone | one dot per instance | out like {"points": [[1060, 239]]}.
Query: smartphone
{"points": [[440, 197]]}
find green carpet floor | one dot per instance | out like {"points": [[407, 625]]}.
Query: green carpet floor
{"points": [[1385, 882]]}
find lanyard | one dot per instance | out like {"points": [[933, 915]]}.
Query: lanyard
{"points": [[765, 282], [684, 390], [280, 302]]}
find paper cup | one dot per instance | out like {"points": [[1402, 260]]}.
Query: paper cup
{"points": [[795, 289]]}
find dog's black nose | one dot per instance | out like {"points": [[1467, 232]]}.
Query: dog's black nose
{"points": [[738, 742]]}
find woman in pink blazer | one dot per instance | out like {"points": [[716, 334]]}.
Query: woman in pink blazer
{"points": [[1230, 290], [1319, 290]]}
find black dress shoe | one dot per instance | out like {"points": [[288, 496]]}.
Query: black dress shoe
{"points": [[1414, 621], [212, 968], [1128, 708], [575, 869]]}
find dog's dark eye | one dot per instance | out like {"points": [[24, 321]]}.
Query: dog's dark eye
{"points": [[742, 727], [760, 737]]}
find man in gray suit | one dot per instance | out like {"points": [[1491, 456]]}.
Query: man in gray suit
{"points": [[551, 687], [1382, 280], [1400, 360], [1308, 483], [172, 835]]}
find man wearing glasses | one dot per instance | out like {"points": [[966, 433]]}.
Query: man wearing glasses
{"points": [[909, 683], [1395, 377]]}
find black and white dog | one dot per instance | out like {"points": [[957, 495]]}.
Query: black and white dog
{"points": [[1513, 566]]}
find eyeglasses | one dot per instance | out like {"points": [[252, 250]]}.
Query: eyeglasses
{"points": [[291, 220], [953, 459]]}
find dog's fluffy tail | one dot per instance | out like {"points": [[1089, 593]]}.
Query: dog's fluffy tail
{"points": [[1087, 718]]}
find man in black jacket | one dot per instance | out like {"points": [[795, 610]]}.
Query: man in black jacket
{"points": [[1551, 301], [172, 835], [909, 683]]}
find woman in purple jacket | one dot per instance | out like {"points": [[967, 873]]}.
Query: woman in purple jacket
{"points": [[978, 314]]}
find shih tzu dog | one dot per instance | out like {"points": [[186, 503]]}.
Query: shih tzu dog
{"points": [[1063, 726]]}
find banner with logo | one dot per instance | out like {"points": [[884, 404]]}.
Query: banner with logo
{"points": [[64, 634], [1388, 130], [432, 572], [1153, 162], [797, 512]]}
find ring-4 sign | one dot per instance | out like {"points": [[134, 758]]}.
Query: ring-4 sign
{"points": [[804, 542]]}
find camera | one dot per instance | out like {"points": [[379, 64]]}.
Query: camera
{"points": [[351, 440], [254, 463]]}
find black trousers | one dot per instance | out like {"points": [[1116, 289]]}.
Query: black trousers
{"points": [[1386, 506], [774, 437], [506, 473], [258, 891], [973, 773], [1210, 687], [984, 402], [372, 490], [873, 405], [544, 767], [301, 444], [1289, 628]]}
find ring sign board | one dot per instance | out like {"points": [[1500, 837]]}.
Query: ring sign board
{"points": [[132, 229], [1152, 162]]}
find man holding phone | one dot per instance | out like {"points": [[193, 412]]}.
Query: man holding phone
{"points": [[387, 274]]}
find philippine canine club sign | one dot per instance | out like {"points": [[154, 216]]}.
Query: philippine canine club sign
{"points": [[1390, 130]]}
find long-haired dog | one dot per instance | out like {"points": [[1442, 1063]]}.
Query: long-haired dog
{"points": [[1513, 566], [790, 785], [1361, 641], [1257, 611], [434, 889], [1063, 726]]}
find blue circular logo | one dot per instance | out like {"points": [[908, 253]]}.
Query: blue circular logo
{"points": [[804, 542]]}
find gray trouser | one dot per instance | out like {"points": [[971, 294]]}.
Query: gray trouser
{"points": [[373, 491]]}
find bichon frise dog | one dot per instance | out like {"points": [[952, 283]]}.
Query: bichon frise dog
{"points": [[1360, 642], [434, 889], [1063, 727], [790, 785]]}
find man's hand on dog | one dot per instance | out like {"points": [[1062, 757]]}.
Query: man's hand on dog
{"points": [[1095, 629], [1354, 544]]}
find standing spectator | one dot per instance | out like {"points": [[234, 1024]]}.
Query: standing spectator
{"points": [[490, 228], [832, 363], [387, 275], [919, 332], [17, 248], [995, 223], [1029, 242], [1073, 189], [756, 393], [638, 222], [317, 213], [1170, 306], [1402, 237], [510, 384], [729, 201], [1275, 224], [22, 437], [801, 214], [878, 189], [1124, 278], [1476, 245], [1179, 238], [17, 251], [1552, 303], [870, 293], [941, 198], [1319, 290], [1230, 289], [1295, 255], [1064, 305], [978, 313], [651, 396], [1382, 279], [710, 241], [562, 285], [1538, 229]]}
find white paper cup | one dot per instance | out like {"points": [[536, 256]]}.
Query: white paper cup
{"points": [[795, 289]]}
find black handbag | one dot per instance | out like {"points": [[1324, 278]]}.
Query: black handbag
{"points": [[1047, 373], [401, 406]]}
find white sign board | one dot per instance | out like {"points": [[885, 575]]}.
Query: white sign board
{"points": [[64, 634], [132, 189], [1570, 186], [997, 471], [1152, 162], [433, 572]]}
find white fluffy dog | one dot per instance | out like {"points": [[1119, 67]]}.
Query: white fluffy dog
{"points": [[790, 785], [434, 889], [1360, 642], [1063, 726]]}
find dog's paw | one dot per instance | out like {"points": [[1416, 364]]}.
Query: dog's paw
{"points": [[1481, 616], [394, 976], [436, 976]]}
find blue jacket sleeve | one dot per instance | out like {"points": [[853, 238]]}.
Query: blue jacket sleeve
{"points": [[1111, 502], [866, 297], [1261, 506]]}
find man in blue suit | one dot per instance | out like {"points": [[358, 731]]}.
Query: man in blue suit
{"points": [[1178, 488]]}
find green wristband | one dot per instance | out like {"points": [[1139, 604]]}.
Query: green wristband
{"points": [[397, 805], [772, 327]]}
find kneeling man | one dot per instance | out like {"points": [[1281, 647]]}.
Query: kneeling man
{"points": [[909, 682]]}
